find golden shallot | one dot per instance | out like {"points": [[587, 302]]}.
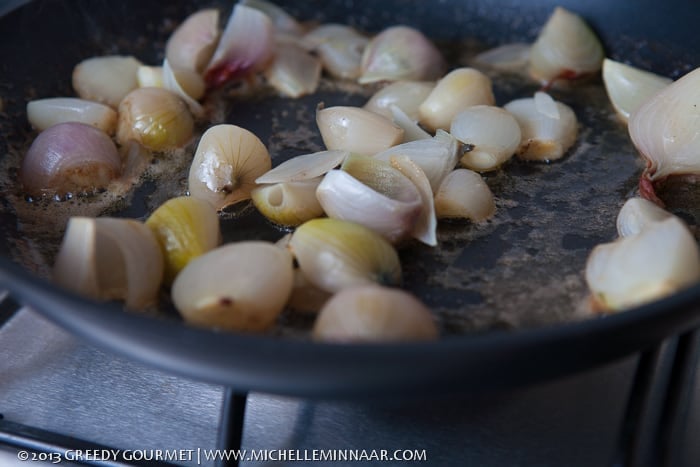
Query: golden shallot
{"points": [[334, 254]]}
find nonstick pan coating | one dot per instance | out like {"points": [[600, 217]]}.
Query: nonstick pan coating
{"points": [[508, 295]]}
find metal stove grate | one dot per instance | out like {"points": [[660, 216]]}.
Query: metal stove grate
{"points": [[42, 441], [652, 429]]}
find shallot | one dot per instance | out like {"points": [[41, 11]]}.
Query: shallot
{"points": [[69, 157]]}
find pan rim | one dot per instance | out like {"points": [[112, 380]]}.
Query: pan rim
{"points": [[286, 367]]}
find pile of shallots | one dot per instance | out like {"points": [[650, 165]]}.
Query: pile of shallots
{"points": [[412, 155]]}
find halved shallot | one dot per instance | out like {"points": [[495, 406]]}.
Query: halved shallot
{"points": [[436, 156], [340, 48], [109, 258], [240, 286], [426, 224], [491, 134], [288, 203], [149, 76], [246, 46], [188, 84], [456, 91], [411, 130], [293, 72], [356, 130], [463, 194], [566, 48], [192, 44], [371, 313], [334, 254], [548, 128], [185, 228], [509, 57], [43, 113], [306, 297], [629, 87], [660, 260], [226, 163], [401, 53], [406, 95], [283, 22], [372, 193], [69, 157], [156, 118], [637, 214], [106, 79], [666, 131]]}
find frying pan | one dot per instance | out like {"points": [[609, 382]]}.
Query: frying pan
{"points": [[508, 295]]}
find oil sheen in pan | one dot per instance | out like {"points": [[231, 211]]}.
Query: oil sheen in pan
{"points": [[524, 268]]}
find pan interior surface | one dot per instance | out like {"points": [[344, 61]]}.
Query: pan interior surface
{"points": [[523, 270]]}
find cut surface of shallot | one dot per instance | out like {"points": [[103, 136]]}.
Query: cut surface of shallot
{"points": [[43, 113], [110, 258]]}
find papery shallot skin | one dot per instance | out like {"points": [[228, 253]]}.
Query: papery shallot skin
{"points": [[69, 157], [666, 132]]}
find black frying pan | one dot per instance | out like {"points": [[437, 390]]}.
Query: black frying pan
{"points": [[508, 295]]}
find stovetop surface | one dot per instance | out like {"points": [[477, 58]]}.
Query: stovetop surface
{"points": [[52, 381]]}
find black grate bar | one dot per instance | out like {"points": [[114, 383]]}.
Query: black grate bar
{"points": [[8, 307], [42, 441], [674, 417], [231, 425], [631, 445]]}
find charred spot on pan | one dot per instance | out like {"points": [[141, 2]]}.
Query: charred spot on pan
{"points": [[484, 255], [573, 241]]}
